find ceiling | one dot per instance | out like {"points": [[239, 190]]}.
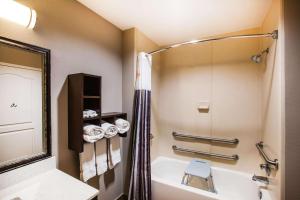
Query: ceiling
{"points": [[171, 21]]}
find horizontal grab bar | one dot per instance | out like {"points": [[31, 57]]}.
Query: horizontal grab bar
{"points": [[210, 139], [213, 155], [274, 162]]}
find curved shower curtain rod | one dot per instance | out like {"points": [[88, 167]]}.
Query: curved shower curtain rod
{"points": [[274, 35]]}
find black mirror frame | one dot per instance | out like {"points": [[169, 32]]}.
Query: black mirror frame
{"points": [[47, 108]]}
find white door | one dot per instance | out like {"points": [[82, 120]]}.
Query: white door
{"points": [[20, 112]]}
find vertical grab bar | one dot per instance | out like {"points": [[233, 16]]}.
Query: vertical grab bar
{"points": [[274, 162]]}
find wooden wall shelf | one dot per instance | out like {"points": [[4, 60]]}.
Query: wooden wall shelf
{"points": [[84, 92]]}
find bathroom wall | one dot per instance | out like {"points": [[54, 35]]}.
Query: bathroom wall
{"points": [[80, 41], [273, 95], [134, 42], [222, 75]]}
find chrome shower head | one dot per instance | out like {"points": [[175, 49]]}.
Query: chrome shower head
{"points": [[258, 58]]}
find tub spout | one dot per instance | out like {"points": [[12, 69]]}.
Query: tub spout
{"points": [[261, 179]]}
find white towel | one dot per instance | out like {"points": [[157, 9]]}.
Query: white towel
{"points": [[89, 113], [93, 130], [92, 138], [114, 153], [122, 125], [110, 130], [101, 156], [87, 162]]}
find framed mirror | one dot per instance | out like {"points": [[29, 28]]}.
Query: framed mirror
{"points": [[25, 113]]}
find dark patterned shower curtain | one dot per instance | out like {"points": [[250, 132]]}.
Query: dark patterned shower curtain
{"points": [[140, 181]]}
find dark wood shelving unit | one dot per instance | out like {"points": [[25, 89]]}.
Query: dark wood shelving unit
{"points": [[91, 97], [91, 118], [84, 92]]}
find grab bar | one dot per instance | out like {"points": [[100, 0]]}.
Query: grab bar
{"points": [[210, 139], [274, 162], [214, 155]]}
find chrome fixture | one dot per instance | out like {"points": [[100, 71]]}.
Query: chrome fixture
{"points": [[270, 164], [266, 167], [273, 35], [209, 139], [258, 58], [208, 154], [260, 195], [261, 179], [151, 136]]}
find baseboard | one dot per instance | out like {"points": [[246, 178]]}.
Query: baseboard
{"points": [[122, 197]]}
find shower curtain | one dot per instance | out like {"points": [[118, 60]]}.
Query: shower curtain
{"points": [[140, 181]]}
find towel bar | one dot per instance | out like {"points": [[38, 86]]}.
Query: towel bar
{"points": [[210, 139], [214, 155]]}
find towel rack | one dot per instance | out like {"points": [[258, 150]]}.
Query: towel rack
{"points": [[208, 154], [210, 139], [274, 162]]}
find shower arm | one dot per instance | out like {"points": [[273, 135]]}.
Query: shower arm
{"points": [[273, 35]]}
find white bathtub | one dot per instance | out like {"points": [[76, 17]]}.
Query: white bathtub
{"points": [[230, 185]]}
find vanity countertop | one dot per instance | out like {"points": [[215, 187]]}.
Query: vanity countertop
{"points": [[53, 184]]}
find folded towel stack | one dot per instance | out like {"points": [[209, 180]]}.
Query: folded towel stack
{"points": [[92, 133], [110, 130], [89, 113], [122, 125]]}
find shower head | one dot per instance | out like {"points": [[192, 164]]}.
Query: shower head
{"points": [[258, 58]]}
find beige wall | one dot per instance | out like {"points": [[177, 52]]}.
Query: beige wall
{"points": [[222, 74], [80, 41], [129, 60], [272, 95]]}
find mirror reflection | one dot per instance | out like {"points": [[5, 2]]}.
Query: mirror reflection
{"points": [[22, 120]]}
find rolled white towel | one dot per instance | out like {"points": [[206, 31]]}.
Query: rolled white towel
{"points": [[92, 138], [89, 113], [110, 130], [122, 125], [93, 130]]}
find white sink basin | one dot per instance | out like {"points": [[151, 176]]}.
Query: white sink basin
{"points": [[49, 185]]}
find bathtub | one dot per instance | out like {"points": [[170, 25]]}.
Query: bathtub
{"points": [[230, 185]]}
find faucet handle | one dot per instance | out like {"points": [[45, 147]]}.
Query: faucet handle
{"points": [[266, 167]]}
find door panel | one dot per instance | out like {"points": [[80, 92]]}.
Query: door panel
{"points": [[16, 144]]}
